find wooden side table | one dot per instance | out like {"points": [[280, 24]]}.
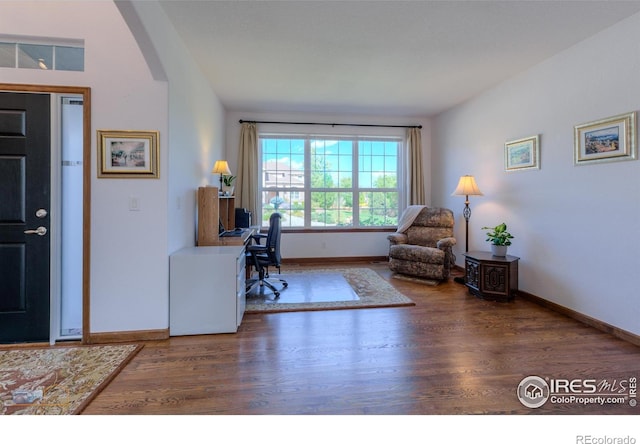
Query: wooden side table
{"points": [[490, 277]]}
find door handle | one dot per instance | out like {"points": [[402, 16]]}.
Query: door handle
{"points": [[40, 231]]}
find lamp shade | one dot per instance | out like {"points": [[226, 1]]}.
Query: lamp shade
{"points": [[221, 167], [467, 187]]}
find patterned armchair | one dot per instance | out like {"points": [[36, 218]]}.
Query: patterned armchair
{"points": [[422, 246]]}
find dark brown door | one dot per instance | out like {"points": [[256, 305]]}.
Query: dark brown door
{"points": [[25, 182]]}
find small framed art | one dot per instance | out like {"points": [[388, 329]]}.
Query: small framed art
{"points": [[606, 140], [128, 154], [522, 154]]}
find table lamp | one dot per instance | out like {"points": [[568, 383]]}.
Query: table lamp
{"points": [[221, 167]]}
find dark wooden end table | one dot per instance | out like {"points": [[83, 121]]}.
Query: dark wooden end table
{"points": [[490, 277]]}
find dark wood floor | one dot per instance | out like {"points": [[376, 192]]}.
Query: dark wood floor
{"points": [[450, 354]]}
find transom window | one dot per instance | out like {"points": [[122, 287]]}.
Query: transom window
{"points": [[330, 182], [44, 54]]}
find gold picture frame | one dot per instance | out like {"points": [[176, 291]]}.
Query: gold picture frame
{"points": [[128, 154], [606, 140], [522, 154]]}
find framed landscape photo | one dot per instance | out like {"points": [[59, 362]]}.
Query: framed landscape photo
{"points": [[128, 154], [606, 140], [522, 154]]}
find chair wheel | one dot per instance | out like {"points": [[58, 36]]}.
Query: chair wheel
{"points": [[277, 294], [285, 285]]}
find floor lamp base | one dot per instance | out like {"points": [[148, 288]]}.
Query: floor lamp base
{"points": [[459, 280]]}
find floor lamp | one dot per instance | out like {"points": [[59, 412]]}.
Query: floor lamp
{"points": [[466, 187]]}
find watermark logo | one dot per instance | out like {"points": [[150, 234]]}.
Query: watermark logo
{"points": [[591, 439], [534, 391]]}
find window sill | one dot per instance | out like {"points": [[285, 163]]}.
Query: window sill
{"points": [[338, 230]]}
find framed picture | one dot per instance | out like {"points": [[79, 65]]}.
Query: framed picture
{"points": [[128, 154], [606, 140], [522, 154]]}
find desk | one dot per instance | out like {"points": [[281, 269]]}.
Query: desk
{"points": [[243, 239], [490, 277], [207, 287], [206, 290]]}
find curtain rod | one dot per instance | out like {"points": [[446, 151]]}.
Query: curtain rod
{"points": [[333, 124]]}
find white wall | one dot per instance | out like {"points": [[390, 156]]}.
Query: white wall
{"points": [[196, 124], [576, 227], [129, 271], [322, 245]]}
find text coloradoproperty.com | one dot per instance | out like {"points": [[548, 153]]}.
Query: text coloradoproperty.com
{"points": [[601, 400]]}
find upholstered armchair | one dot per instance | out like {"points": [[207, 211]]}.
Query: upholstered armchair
{"points": [[422, 245]]}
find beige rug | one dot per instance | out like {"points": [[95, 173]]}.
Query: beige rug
{"points": [[371, 291], [59, 380]]}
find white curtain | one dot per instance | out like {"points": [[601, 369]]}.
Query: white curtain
{"points": [[415, 179], [247, 180]]}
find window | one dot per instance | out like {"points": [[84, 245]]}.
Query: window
{"points": [[44, 56], [330, 182]]}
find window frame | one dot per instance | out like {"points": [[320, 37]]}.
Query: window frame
{"points": [[355, 190]]}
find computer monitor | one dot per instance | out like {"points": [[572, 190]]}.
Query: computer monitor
{"points": [[220, 227], [243, 218]]}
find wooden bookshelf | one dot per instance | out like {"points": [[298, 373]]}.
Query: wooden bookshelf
{"points": [[227, 208], [213, 208], [208, 216]]}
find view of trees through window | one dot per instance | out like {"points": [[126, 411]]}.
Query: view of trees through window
{"points": [[330, 182]]}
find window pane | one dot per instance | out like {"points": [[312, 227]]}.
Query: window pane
{"points": [[311, 181], [331, 209], [378, 209], [378, 164], [283, 173], [69, 58], [7, 55], [283, 163], [35, 56], [331, 163], [288, 204], [41, 56]]}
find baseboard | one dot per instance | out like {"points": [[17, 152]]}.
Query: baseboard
{"points": [[127, 336], [21, 345], [588, 320], [333, 260]]}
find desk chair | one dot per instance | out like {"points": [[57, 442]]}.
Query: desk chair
{"points": [[261, 257]]}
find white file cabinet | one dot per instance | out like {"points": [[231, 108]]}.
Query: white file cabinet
{"points": [[206, 290]]}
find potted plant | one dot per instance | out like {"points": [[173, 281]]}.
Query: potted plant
{"points": [[227, 186], [500, 239]]}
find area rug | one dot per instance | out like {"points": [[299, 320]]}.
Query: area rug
{"points": [[371, 289], [59, 380]]}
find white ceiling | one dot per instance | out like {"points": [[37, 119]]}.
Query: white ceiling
{"points": [[405, 58]]}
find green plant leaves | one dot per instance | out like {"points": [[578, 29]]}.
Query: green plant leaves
{"points": [[498, 235]]}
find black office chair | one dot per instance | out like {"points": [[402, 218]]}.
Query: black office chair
{"points": [[261, 257]]}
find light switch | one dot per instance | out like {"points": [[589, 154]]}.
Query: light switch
{"points": [[134, 203]]}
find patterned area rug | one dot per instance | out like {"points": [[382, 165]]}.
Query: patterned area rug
{"points": [[371, 289], [58, 380]]}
